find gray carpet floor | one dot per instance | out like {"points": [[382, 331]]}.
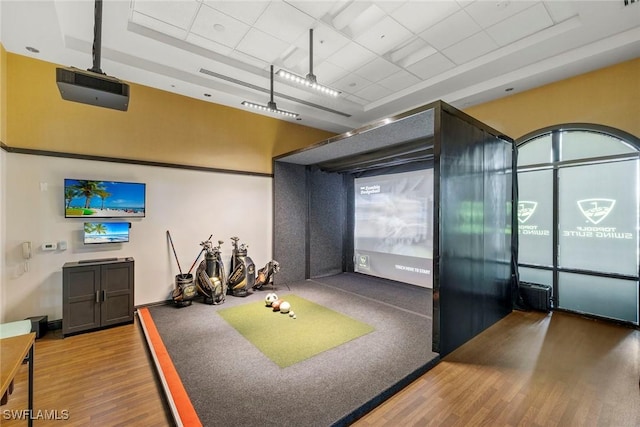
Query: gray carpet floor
{"points": [[231, 383]]}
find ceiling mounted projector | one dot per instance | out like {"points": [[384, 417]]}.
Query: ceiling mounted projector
{"points": [[93, 86], [88, 87]]}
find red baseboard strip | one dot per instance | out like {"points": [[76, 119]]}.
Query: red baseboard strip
{"points": [[181, 406]]}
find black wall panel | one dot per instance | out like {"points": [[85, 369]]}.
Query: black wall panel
{"points": [[327, 222], [471, 287], [290, 221]]}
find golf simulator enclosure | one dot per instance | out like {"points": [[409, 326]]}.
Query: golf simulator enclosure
{"points": [[451, 232]]}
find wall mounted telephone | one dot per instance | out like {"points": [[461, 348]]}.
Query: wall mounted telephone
{"points": [[26, 250]]}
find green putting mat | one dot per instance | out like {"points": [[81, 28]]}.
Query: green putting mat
{"points": [[287, 341]]}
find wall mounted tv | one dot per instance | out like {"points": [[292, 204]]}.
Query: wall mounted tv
{"points": [[106, 232], [103, 199]]}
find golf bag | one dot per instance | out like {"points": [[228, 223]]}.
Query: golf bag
{"points": [[242, 274], [210, 274], [265, 274], [184, 291]]}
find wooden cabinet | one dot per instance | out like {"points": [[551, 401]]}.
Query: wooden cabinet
{"points": [[96, 294]]}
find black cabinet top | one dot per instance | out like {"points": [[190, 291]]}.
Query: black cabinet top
{"points": [[88, 262]]}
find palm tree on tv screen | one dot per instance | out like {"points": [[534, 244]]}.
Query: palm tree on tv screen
{"points": [[95, 227], [88, 189], [103, 194], [70, 194]]}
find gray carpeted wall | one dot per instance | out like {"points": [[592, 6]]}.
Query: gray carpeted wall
{"points": [[327, 222], [290, 221], [309, 222]]}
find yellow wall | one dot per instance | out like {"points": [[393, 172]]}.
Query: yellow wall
{"points": [[609, 96], [159, 126], [164, 127], [3, 93]]}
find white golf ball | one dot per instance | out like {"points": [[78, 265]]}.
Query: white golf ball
{"points": [[285, 307]]}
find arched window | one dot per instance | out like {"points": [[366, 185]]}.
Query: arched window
{"points": [[578, 218]]}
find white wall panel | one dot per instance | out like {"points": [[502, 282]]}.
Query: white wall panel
{"points": [[190, 204]]}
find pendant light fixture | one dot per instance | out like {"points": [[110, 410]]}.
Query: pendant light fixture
{"points": [[310, 80], [271, 105]]}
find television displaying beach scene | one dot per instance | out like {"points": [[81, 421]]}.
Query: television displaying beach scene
{"points": [[106, 232], [103, 199]]}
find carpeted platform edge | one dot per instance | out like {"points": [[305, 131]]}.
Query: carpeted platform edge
{"points": [[180, 405]]}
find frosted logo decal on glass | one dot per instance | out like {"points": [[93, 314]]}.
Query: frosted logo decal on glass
{"points": [[595, 210], [525, 210], [598, 217]]}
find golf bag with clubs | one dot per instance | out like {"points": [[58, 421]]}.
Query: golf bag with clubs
{"points": [[264, 276], [210, 276], [242, 274], [185, 289]]}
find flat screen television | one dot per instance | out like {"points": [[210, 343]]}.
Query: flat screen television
{"points": [[106, 232], [103, 199]]}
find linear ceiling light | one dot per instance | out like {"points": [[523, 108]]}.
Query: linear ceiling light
{"points": [[310, 80], [271, 105]]}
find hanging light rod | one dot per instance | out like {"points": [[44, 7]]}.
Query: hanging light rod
{"points": [[310, 80], [271, 105]]}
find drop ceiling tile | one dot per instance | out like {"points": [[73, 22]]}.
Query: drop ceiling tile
{"points": [[451, 30], [246, 11], [383, 36], [326, 40], [389, 6], [431, 66], [327, 72], [355, 99], [399, 81], [523, 24], [284, 21], [560, 10], [411, 52], [159, 26], [419, 15], [377, 69], [217, 26], [470, 48], [208, 44], [352, 56], [487, 13], [296, 60], [373, 92], [356, 17], [262, 46], [251, 60], [177, 13], [316, 9], [351, 83]]}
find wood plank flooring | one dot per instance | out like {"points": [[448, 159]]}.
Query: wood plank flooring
{"points": [[103, 378], [530, 369]]}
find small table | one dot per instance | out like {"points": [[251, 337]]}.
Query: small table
{"points": [[13, 350]]}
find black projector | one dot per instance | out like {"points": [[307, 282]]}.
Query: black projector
{"points": [[92, 88]]}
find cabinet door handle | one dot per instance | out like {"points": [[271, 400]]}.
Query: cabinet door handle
{"points": [[104, 295], [97, 296]]}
